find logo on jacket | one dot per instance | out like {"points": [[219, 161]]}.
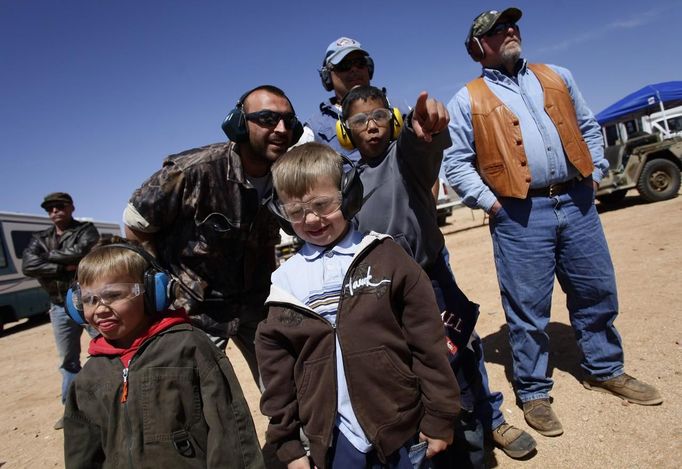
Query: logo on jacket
{"points": [[362, 281]]}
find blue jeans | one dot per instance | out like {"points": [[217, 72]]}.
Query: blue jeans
{"points": [[67, 336], [342, 455], [535, 239]]}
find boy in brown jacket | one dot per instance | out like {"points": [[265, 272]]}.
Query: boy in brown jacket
{"points": [[353, 349]]}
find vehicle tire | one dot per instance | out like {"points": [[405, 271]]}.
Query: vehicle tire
{"points": [[612, 198], [660, 180], [442, 219]]}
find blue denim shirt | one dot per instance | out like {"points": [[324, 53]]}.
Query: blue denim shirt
{"points": [[546, 158]]}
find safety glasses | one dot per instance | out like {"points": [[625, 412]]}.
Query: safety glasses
{"points": [[270, 119], [109, 295], [360, 121], [320, 206]]}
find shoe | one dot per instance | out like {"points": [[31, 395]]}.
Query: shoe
{"points": [[59, 424], [541, 417], [628, 388], [515, 442]]}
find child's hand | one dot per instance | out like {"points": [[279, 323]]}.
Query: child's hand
{"points": [[435, 445], [300, 463], [429, 117]]}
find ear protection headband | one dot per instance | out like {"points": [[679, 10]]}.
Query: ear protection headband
{"points": [[351, 198], [326, 73], [344, 136], [156, 281], [235, 126]]}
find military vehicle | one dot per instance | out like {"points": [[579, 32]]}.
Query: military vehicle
{"points": [[643, 144]]}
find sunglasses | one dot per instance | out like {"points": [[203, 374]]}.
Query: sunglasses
{"points": [[360, 121], [270, 119], [501, 28], [320, 206], [345, 65], [59, 207]]}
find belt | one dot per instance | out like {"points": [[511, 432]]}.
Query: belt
{"points": [[554, 189]]}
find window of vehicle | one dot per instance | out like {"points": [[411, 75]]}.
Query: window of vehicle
{"points": [[611, 135], [674, 124], [3, 257], [20, 239]]}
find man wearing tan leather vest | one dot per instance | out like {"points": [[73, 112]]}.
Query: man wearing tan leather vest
{"points": [[528, 151]]}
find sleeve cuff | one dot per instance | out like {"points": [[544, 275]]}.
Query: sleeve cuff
{"points": [[290, 451]]}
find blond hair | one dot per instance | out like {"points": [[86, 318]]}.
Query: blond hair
{"points": [[297, 171], [105, 259]]}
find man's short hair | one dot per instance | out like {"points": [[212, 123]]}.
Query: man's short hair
{"points": [[297, 171], [104, 260], [364, 93]]}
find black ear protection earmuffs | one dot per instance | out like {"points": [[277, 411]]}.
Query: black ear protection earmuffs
{"points": [[474, 48], [326, 73], [351, 197], [235, 126], [344, 136], [157, 287]]}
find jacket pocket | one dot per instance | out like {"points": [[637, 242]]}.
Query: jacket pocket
{"points": [[171, 401], [316, 396], [382, 374]]}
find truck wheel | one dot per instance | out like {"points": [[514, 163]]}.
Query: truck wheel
{"points": [[612, 198], [660, 180]]}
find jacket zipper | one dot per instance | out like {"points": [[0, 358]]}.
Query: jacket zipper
{"points": [[124, 401]]}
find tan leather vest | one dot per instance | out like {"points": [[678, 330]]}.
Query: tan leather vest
{"points": [[500, 157]]}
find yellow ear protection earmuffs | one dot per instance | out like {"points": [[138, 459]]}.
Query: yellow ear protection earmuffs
{"points": [[343, 132], [235, 126], [157, 286], [351, 197]]}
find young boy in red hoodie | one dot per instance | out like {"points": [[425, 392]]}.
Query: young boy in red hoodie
{"points": [[155, 391]]}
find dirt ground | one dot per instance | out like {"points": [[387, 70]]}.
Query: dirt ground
{"points": [[600, 430]]}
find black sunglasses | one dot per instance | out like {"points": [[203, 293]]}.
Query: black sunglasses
{"points": [[50, 207], [270, 119], [500, 28], [345, 65]]}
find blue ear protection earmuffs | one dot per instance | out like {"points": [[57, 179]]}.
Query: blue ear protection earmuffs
{"points": [[235, 126], [157, 288], [326, 73], [344, 136], [351, 198]]}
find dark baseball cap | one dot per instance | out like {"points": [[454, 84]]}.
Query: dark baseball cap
{"points": [[56, 197], [486, 20]]}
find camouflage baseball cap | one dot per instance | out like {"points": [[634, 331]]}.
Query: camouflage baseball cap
{"points": [[55, 198], [486, 20]]}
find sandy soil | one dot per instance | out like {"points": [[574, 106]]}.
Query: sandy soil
{"points": [[600, 430]]}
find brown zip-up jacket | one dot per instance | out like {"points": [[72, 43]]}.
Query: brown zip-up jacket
{"points": [[500, 156], [394, 354]]}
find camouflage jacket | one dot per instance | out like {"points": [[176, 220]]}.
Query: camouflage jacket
{"points": [[211, 230]]}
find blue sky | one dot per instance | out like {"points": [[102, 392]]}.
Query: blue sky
{"points": [[95, 93]]}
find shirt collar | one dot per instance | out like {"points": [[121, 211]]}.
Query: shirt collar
{"points": [[495, 75], [347, 246]]}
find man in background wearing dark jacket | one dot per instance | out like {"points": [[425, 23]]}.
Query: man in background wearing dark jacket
{"points": [[52, 257]]}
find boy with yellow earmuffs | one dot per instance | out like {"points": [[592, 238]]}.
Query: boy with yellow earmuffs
{"points": [[399, 163]]}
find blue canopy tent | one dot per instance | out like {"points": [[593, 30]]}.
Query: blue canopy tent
{"points": [[651, 98]]}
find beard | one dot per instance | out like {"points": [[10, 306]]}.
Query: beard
{"points": [[511, 52]]}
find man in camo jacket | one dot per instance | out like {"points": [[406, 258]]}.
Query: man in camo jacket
{"points": [[203, 216]]}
